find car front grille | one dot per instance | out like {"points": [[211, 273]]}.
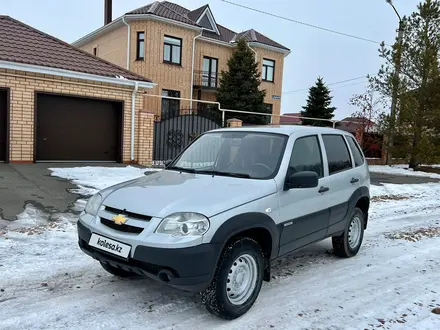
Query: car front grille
{"points": [[135, 216], [125, 228]]}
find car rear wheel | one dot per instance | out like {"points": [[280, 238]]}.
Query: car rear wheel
{"points": [[237, 281], [348, 244], [116, 271]]}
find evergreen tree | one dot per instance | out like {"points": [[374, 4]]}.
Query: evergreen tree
{"points": [[239, 87], [318, 105], [416, 126]]}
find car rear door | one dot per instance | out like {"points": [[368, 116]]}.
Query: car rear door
{"points": [[341, 181]]}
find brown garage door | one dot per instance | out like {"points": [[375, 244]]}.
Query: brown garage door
{"points": [[3, 124], [77, 129]]}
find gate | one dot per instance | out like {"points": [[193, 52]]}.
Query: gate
{"points": [[175, 131]]}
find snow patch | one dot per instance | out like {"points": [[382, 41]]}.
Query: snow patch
{"points": [[401, 170], [91, 179]]}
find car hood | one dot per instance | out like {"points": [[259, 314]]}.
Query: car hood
{"points": [[165, 192]]}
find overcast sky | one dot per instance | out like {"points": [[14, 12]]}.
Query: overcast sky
{"points": [[314, 52]]}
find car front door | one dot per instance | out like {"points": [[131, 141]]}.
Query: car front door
{"points": [[304, 212], [341, 181]]}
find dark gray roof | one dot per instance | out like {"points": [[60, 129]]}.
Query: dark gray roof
{"points": [[195, 14], [178, 13]]}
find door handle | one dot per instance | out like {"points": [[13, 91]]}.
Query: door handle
{"points": [[323, 189], [354, 180]]}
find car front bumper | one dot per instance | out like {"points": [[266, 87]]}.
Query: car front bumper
{"points": [[189, 269]]}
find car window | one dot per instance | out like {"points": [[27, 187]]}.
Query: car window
{"points": [[306, 156], [357, 153], [253, 154], [337, 153]]}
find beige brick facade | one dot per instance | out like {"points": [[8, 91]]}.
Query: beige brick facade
{"points": [[178, 77], [111, 47], [23, 87]]}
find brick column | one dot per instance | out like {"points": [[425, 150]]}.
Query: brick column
{"points": [[146, 136], [234, 122]]}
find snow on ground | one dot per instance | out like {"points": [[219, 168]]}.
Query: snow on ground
{"points": [[46, 282], [401, 170], [91, 179]]}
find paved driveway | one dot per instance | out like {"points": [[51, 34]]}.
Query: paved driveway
{"points": [[32, 184]]}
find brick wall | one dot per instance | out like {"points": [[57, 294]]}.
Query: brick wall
{"points": [[111, 47], [234, 122], [23, 85], [272, 88], [146, 136]]}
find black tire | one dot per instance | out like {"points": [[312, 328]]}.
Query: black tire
{"points": [[215, 298], [341, 245], [117, 271]]}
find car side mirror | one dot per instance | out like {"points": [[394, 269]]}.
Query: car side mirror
{"points": [[306, 179]]}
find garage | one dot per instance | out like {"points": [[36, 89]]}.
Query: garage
{"points": [[3, 125], [77, 129]]}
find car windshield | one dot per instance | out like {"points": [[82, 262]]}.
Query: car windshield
{"points": [[238, 154]]}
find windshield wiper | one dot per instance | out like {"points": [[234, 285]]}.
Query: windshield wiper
{"points": [[231, 174], [181, 169]]}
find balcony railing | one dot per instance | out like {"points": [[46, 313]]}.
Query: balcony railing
{"points": [[206, 79]]}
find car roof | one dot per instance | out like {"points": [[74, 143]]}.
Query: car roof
{"points": [[283, 129]]}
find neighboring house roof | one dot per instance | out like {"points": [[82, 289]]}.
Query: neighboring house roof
{"points": [[289, 119], [254, 36], [21, 43], [175, 12], [351, 124]]}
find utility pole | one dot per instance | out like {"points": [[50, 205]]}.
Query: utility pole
{"points": [[396, 80]]}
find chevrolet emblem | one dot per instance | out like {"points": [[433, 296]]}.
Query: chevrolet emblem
{"points": [[119, 219]]}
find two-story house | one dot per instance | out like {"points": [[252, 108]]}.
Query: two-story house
{"points": [[183, 51]]}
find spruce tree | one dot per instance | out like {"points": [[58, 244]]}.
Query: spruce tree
{"points": [[318, 105], [239, 87]]}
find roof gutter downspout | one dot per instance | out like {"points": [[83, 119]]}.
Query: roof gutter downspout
{"points": [[133, 113], [255, 52], [128, 42], [192, 68]]}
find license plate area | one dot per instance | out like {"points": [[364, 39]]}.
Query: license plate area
{"points": [[110, 245]]}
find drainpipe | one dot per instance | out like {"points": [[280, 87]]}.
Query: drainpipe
{"points": [[192, 67], [128, 42], [133, 112], [255, 52]]}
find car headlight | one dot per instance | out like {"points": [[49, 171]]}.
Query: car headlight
{"points": [[184, 224], [93, 204]]}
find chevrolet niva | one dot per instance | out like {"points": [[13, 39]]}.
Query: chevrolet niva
{"points": [[230, 203]]}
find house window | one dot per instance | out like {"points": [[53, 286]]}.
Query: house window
{"points": [[209, 73], [170, 107], [140, 46], [95, 51], [172, 50], [268, 70]]}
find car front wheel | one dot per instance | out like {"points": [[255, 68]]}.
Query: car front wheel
{"points": [[237, 281], [348, 244]]}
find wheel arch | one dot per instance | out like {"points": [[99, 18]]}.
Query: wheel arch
{"points": [[258, 226], [361, 200]]}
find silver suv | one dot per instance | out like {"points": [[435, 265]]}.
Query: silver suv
{"points": [[229, 204]]}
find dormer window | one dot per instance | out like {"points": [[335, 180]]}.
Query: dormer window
{"points": [[207, 21]]}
